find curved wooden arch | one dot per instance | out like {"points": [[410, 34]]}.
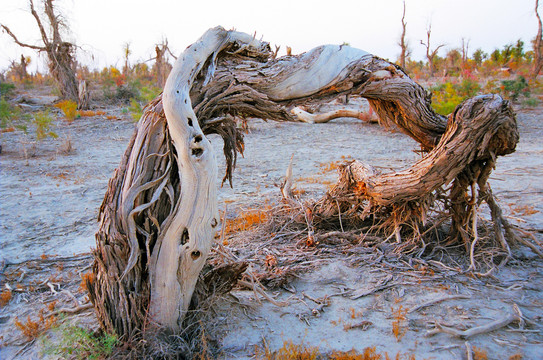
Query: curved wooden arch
{"points": [[158, 215]]}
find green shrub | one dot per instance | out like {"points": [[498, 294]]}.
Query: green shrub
{"points": [[446, 97], [6, 89], [135, 109], [43, 122], [530, 102], [513, 89], [80, 343]]}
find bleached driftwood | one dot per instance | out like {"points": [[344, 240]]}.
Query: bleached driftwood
{"points": [[477, 330], [319, 118]]}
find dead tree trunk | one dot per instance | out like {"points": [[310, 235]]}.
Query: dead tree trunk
{"points": [[538, 44], [157, 219], [430, 54], [60, 54], [403, 43]]}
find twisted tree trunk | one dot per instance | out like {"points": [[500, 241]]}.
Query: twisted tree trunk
{"points": [[157, 219]]}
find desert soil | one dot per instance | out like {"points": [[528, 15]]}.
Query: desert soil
{"points": [[50, 196]]}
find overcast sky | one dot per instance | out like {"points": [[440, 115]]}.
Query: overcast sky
{"points": [[101, 27]]}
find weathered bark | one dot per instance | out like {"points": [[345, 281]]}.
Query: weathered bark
{"points": [[479, 130], [157, 217], [304, 116], [83, 95]]}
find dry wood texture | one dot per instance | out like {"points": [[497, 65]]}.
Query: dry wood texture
{"points": [[162, 194]]}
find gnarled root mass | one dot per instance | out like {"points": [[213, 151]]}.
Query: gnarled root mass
{"points": [[452, 180]]}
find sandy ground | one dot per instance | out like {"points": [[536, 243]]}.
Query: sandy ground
{"points": [[49, 203]]}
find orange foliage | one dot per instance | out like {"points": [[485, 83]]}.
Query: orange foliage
{"points": [[88, 276], [32, 329], [522, 210], [479, 354], [69, 108], [398, 327], [369, 354], [247, 220], [5, 297], [271, 261], [91, 113]]}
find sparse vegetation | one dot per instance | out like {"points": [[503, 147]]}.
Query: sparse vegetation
{"points": [[292, 351], [31, 329], [398, 325], [79, 343], [43, 121], [69, 108]]}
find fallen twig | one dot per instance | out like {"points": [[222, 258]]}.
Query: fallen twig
{"points": [[363, 325], [465, 334], [73, 310], [438, 300]]}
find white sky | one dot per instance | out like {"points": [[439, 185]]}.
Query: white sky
{"points": [[101, 27]]}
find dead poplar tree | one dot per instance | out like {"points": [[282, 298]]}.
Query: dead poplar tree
{"points": [[160, 209], [404, 46], [126, 54], [538, 44], [430, 54], [162, 67], [465, 55], [60, 53]]}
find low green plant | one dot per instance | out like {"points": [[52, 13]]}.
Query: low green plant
{"points": [[145, 95], [6, 89], [79, 343], [44, 123], [446, 97], [513, 89], [530, 102], [135, 109], [6, 113]]}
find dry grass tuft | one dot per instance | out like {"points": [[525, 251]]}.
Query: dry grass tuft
{"points": [[289, 351], [5, 297], [398, 325], [34, 328], [247, 220], [479, 354]]}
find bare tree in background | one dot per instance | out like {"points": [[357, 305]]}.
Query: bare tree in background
{"points": [[465, 49], [430, 54], [162, 67], [126, 53], [403, 43], [60, 53], [538, 57], [20, 68]]}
